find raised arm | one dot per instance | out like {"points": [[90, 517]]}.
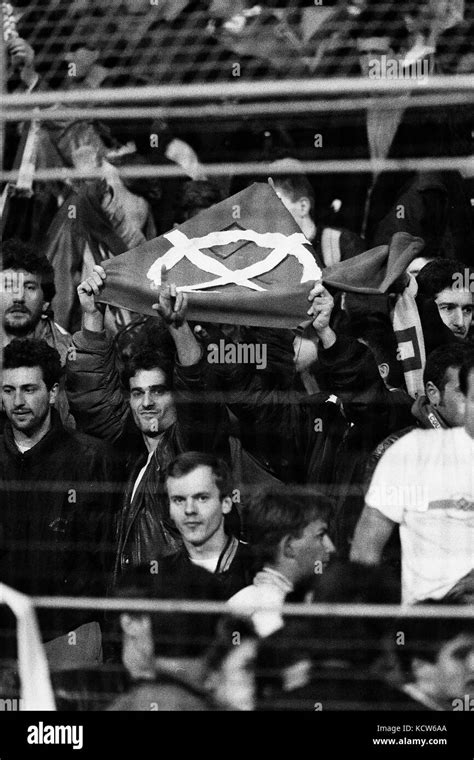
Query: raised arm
{"points": [[349, 366], [202, 418], [93, 386], [171, 307]]}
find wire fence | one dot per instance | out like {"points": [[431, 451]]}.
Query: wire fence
{"points": [[205, 72], [332, 657]]}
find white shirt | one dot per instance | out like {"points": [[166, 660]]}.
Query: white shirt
{"points": [[209, 564], [425, 483], [141, 474], [263, 601]]}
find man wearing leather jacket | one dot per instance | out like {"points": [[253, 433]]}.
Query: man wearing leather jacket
{"points": [[152, 412]]}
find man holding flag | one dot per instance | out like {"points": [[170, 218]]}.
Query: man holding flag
{"points": [[245, 261], [153, 412]]}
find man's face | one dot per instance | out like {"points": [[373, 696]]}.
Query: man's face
{"points": [[22, 301], [372, 49], [196, 506], [26, 399], [151, 402], [469, 408], [452, 406], [296, 208], [453, 672], [313, 549], [83, 59], [455, 309]]}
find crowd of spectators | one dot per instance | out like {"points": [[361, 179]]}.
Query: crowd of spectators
{"points": [[131, 467]]}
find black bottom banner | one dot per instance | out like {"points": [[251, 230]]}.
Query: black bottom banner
{"points": [[113, 734]]}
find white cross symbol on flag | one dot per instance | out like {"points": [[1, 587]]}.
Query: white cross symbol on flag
{"points": [[191, 248]]}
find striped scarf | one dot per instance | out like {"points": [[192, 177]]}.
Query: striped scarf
{"points": [[411, 345]]}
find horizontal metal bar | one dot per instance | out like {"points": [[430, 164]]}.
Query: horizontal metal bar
{"points": [[308, 610], [243, 89], [340, 166], [236, 110]]}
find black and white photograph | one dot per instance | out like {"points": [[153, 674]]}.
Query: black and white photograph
{"points": [[237, 376]]}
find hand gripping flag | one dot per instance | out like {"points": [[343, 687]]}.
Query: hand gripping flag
{"points": [[243, 261], [382, 270]]}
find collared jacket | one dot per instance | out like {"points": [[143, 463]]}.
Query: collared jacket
{"points": [[179, 577], [315, 439], [373, 412], [144, 531], [56, 520]]}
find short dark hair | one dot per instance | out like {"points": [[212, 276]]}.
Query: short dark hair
{"points": [[185, 463], [357, 642], [275, 512], [437, 275], [425, 637], [439, 361], [295, 186], [198, 195], [19, 255], [465, 372], [376, 331], [34, 353], [147, 359]]}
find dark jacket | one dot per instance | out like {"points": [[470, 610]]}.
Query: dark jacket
{"points": [[179, 578], [332, 245], [421, 133], [340, 689], [435, 207], [373, 411], [291, 435], [143, 532], [56, 520], [306, 439]]}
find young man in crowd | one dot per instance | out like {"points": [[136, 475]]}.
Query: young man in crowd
{"points": [[57, 504], [26, 292], [424, 484], [199, 489], [288, 535], [331, 244], [350, 369], [445, 296], [209, 667], [154, 411], [437, 662], [442, 405]]}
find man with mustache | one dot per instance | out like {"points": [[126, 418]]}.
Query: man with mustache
{"points": [[26, 292], [56, 512]]}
